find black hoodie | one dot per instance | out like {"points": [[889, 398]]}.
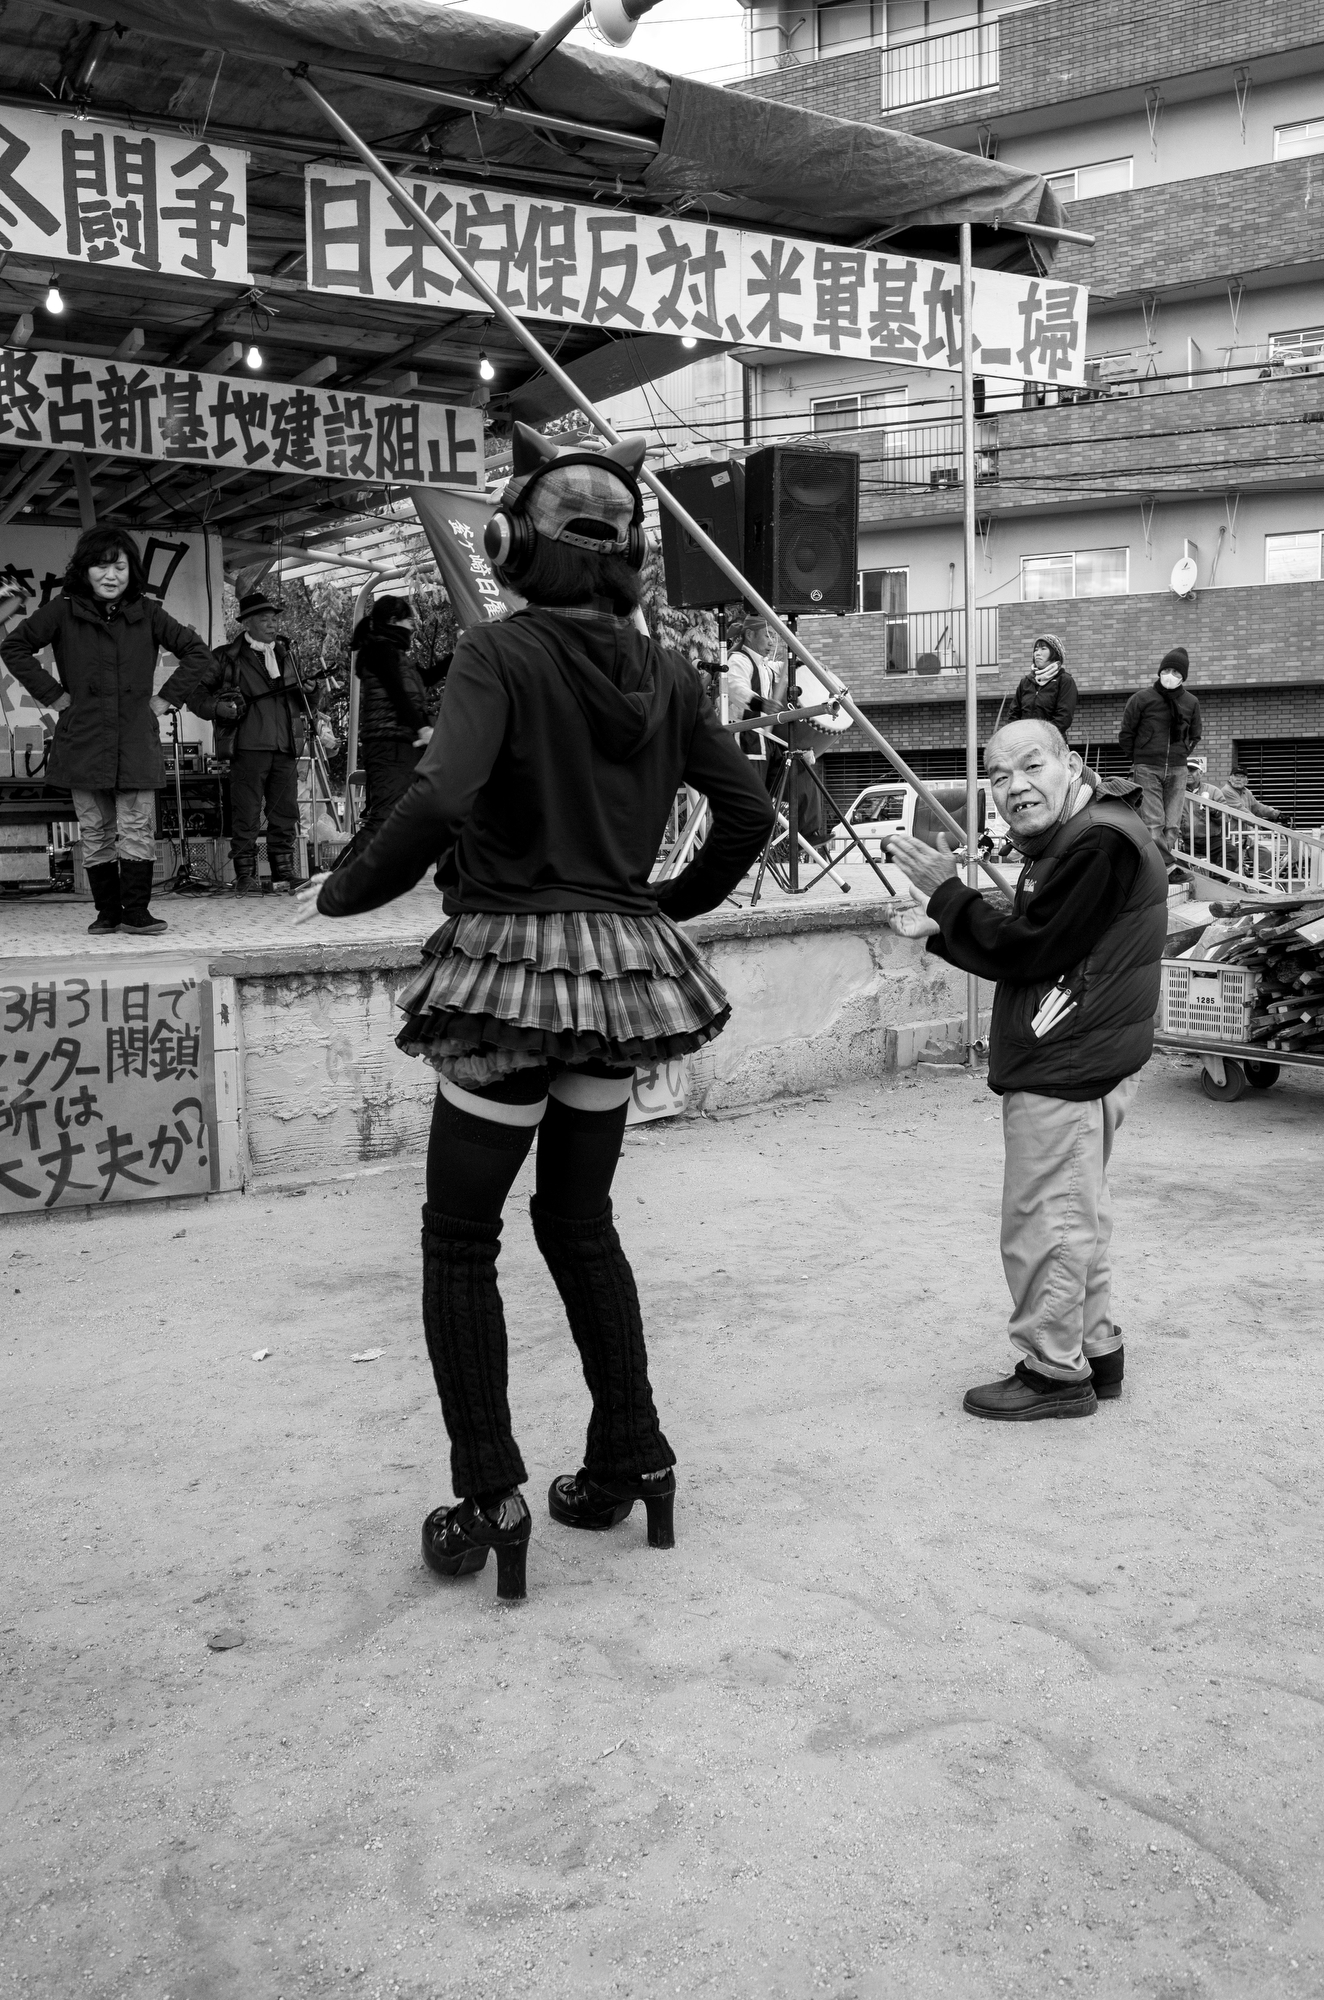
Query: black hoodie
{"points": [[560, 746]]}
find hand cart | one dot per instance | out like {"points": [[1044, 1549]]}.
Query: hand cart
{"points": [[1204, 1008]]}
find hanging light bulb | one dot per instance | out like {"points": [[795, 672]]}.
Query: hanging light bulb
{"points": [[486, 371], [54, 302], [253, 358], [688, 340]]}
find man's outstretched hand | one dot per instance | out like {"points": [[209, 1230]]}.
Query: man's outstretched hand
{"points": [[928, 868]]}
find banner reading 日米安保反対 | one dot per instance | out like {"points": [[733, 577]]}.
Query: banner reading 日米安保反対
{"points": [[635, 273]]}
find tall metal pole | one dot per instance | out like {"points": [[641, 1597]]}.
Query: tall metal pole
{"points": [[406, 205], [971, 636]]}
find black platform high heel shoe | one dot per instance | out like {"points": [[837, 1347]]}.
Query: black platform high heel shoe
{"points": [[456, 1540], [578, 1500]]}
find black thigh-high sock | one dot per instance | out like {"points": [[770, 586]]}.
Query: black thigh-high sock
{"points": [[578, 1152], [473, 1161]]}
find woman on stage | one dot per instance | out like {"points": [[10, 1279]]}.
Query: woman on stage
{"points": [[564, 734]]}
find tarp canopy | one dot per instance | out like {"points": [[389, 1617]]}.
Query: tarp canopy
{"points": [[219, 69]]}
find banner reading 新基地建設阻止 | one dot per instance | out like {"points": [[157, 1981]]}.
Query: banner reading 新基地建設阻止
{"points": [[71, 402], [77, 191], [636, 273]]}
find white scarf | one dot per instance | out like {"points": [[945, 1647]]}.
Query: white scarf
{"points": [[267, 651]]}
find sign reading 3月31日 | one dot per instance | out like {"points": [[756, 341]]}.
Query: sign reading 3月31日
{"points": [[615, 267], [70, 402], [107, 1083], [73, 190]]}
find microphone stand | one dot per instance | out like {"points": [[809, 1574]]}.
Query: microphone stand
{"points": [[184, 882]]}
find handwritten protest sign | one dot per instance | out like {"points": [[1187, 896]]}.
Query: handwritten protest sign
{"points": [[613, 267], [72, 189], [107, 1083]]}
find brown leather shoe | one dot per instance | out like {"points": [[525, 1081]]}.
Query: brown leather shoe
{"points": [[1026, 1396]]}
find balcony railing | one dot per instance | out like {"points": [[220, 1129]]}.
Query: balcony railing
{"points": [[920, 455], [933, 642], [1249, 852], [942, 66]]}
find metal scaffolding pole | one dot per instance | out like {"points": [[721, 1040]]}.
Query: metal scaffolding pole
{"points": [[743, 588], [971, 636]]}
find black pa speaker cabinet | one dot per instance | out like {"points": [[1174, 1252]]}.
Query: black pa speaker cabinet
{"points": [[206, 808], [713, 494], [802, 512]]}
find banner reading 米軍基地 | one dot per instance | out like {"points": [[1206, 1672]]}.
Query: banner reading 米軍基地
{"points": [[72, 402], [73, 190], [636, 273], [107, 1083]]}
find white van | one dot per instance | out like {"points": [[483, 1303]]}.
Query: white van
{"points": [[881, 811]]}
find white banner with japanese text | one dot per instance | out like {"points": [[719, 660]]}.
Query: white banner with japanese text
{"points": [[107, 1083], [637, 273], [69, 402], [73, 190]]}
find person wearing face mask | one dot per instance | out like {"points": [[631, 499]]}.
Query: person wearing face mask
{"points": [[1077, 966], [252, 697], [1160, 728], [394, 723], [1047, 693], [105, 634]]}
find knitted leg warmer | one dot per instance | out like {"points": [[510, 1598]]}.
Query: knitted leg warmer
{"points": [[597, 1288], [465, 1329]]}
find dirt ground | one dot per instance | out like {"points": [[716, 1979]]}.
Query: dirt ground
{"points": [[917, 1707]]}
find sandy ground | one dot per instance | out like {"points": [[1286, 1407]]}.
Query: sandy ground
{"points": [[918, 1706]]}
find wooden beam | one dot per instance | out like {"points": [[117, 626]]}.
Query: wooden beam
{"points": [[34, 482]]}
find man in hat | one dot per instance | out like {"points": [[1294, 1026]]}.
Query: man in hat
{"points": [[1160, 728], [253, 698]]}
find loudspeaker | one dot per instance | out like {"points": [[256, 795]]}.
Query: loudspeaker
{"points": [[713, 493], [802, 511], [206, 808]]}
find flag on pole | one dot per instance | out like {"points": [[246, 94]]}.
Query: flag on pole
{"points": [[454, 524]]}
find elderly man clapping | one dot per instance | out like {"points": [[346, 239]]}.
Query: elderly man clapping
{"points": [[1077, 969]]}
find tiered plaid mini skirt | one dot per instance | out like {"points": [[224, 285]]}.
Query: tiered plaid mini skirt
{"points": [[496, 994]]}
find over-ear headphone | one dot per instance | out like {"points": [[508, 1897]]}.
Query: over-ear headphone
{"points": [[510, 538]]}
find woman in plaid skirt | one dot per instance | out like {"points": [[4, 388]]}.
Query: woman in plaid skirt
{"points": [[564, 735]]}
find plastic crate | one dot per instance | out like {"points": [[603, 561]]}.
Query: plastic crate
{"points": [[1205, 1001]]}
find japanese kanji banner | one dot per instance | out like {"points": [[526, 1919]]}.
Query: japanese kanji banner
{"points": [[648, 274], [70, 402], [454, 524], [74, 190], [107, 1083]]}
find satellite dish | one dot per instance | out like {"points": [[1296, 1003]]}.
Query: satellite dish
{"points": [[1185, 575], [616, 20]]}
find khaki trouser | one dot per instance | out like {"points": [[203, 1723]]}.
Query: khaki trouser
{"points": [[116, 826], [1057, 1225]]}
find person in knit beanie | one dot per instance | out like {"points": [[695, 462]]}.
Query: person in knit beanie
{"points": [[1047, 693], [1160, 728]]}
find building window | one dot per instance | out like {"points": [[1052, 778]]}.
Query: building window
{"points": [[915, 20], [844, 25], [888, 591], [836, 413], [1292, 558], [1083, 183], [1293, 142], [1082, 573]]}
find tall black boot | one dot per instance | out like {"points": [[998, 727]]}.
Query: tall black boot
{"points": [[135, 898], [593, 1276], [104, 882], [465, 1329]]}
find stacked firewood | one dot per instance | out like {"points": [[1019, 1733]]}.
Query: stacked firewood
{"points": [[1287, 1011]]}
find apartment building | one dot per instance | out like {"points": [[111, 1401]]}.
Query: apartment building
{"points": [[1189, 141]]}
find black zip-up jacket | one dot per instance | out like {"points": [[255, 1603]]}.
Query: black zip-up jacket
{"points": [[273, 717], [394, 689], [1148, 734], [560, 746], [1091, 910], [1054, 702]]}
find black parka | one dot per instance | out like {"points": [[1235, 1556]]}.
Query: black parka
{"points": [[273, 717], [1054, 701], [108, 739]]}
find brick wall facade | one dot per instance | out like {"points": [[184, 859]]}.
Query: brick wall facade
{"points": [[1060, 54]]}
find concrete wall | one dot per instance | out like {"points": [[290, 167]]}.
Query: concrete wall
{"points": [[819, 996]]}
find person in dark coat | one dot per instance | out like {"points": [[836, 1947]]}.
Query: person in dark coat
{"points": [[254, 700], [1047, 693], [542, 799], [394, 721], [1161, 726], [105, 633], [1077, 966]]}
